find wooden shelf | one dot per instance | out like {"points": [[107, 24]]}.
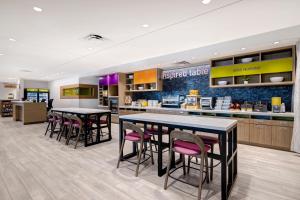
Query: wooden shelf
{"points": [[6, 108], [264, 65], [145, 90], [112, 85], [253, 84], [146, 79]]}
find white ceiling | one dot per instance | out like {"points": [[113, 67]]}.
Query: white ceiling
{"points": [[51, 43]]}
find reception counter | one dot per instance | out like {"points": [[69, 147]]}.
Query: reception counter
{"points": [[29, 113]]}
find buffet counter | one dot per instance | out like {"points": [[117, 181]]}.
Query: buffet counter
{"points": [[266, 129], [201, 111], [29, 112]]}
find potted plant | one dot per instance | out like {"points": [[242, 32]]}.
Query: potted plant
{"points": [[245, 79]]}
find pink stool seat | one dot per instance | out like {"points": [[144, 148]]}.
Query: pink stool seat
{"points": [[102, 121], [188, 148], [76, 125], [154, 131], [67, 123], [51, 120], [209, 140], [134, 136]]}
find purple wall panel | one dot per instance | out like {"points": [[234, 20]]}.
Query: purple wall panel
{"points": [[103, 80], [111, 79]]}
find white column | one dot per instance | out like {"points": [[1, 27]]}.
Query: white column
{"points": [[296, 134]]}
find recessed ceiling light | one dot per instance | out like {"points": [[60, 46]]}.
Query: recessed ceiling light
{"points": [[90, 48], [37, 9], [206, 1], [216, 53], [243, 48], [12, 40], [276, 42], [145, 25], [1, 54]]}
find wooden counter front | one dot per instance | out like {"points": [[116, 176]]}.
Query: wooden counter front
{"points": [[29, 113]]}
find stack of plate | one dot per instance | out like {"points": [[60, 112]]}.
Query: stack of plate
{"points": [[223, 103]]}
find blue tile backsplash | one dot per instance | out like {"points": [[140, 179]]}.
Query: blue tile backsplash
{"points": [[251, 94]]}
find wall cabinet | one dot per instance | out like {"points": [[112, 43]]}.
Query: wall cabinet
{"points": [[146, 80], [111, 85], [256, 68]]}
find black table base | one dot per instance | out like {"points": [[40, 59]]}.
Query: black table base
{"points": [[98, 138], [86, 118], [227, 156]]}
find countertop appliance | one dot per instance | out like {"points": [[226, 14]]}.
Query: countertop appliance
{"points": [[113, 104], [192, 101], [260, 107], [247, 107], [276, 104], [172, 101], [207, 103]]}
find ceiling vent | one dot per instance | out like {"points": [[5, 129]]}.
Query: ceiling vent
{"points": [[182, 63], [25, 70], [94, 37]]}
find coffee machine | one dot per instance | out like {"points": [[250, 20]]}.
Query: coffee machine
{"points": [[207, 103]]}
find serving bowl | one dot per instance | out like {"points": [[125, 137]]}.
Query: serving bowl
{"points": [[276, 79], [246, 60], [222, 82]]}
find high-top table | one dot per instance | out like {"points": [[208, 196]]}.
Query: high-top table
{"points": [[226, 129], [85, 114]]}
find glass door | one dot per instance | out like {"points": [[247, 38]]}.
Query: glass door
{"points": [[43, 95]]}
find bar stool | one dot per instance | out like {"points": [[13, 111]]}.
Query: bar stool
{"points": [[153, 131], [103, 123], [137, 136], [65, 127], [211, 142], [50, 119], [57, 122], [77, 130], [191, 145]]}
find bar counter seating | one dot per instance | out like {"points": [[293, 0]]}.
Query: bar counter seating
{"points": [[81, 124], [187, 144]]}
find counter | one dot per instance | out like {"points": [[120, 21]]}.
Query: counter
{"points": [[29, 112], [201, 111]]}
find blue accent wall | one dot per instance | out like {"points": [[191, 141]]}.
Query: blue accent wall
{"points": [[251, 94]]}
